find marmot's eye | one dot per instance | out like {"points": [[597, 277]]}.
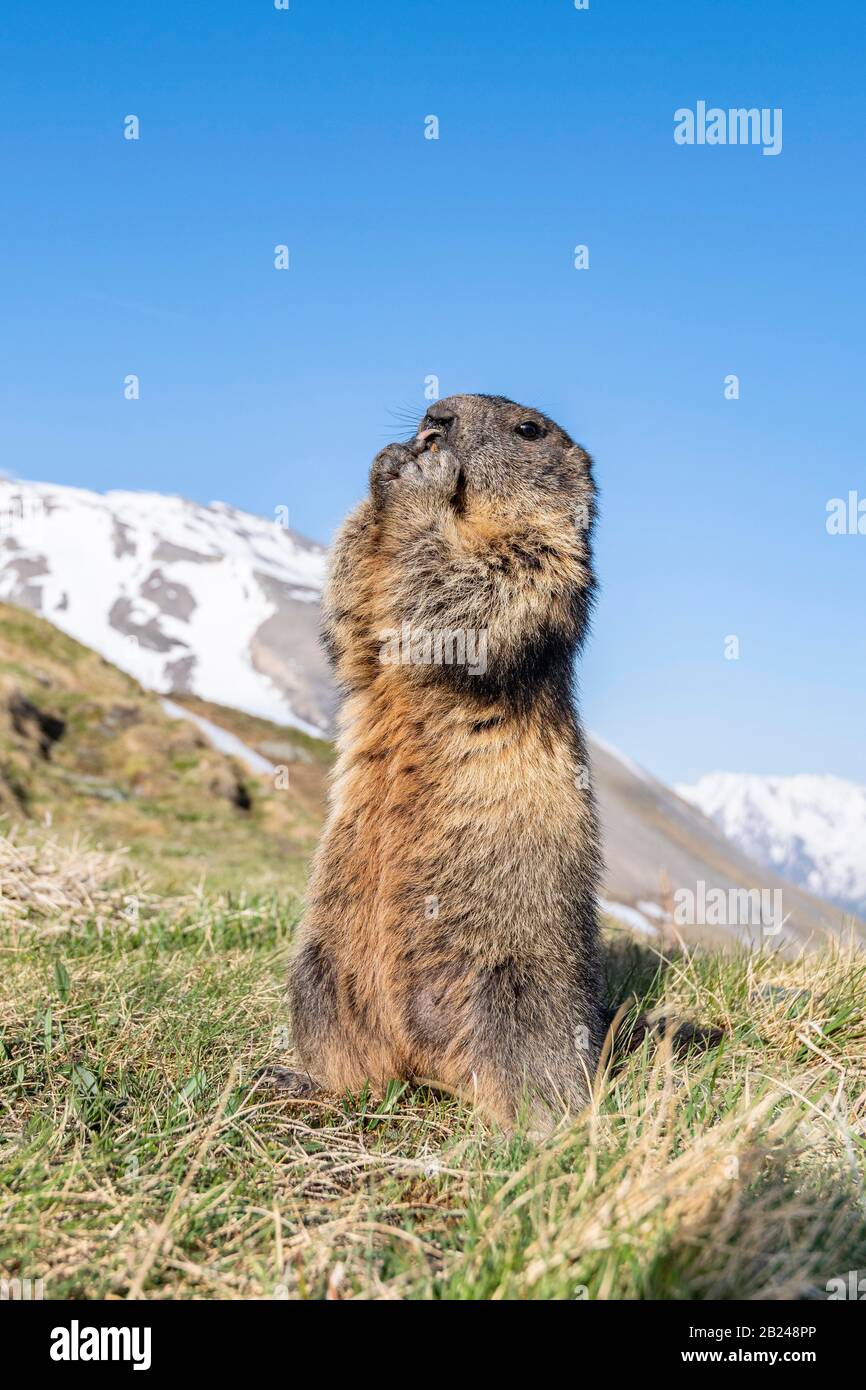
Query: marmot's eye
{"points": [[527, 429]]}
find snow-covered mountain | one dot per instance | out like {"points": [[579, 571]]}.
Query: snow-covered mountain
{"points": [[809, 829], [193, 599]]}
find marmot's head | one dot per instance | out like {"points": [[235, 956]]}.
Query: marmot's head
{"points": [[511, 452]]}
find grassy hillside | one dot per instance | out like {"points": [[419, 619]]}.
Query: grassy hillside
{"points": [[142, 989], [82, 746]]}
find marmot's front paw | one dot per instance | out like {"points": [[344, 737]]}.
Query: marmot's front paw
{"points": [[386, 469], [398, 467]]}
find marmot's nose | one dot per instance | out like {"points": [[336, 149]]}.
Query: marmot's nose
{"points": [[442, 416], [423, 436], [442, 422]]}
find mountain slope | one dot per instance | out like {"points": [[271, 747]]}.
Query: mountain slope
{"points": [[658, 846], [84, 749], [187, 599], [809, 829]]}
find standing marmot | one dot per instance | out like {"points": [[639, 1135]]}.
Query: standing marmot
{"points": [[451, 931]]}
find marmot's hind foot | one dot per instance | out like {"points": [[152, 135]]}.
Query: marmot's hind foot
{"points": [[294, 1083]]}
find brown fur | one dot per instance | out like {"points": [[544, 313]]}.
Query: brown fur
{"points": [[451, 928]]}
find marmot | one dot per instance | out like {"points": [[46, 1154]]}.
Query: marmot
{"points": [[451, 932]]}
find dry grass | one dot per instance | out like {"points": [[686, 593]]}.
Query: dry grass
{"points": [[54, 887], [139, 1155]]}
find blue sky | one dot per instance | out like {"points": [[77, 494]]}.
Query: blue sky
{"points": [[412, 257]]}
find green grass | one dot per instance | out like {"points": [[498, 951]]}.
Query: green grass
{"points": [[139, 1154]]}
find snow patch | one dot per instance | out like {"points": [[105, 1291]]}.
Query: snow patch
{"points": [[810, 828], [628, 916], [652, 910], [221, 739]]}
